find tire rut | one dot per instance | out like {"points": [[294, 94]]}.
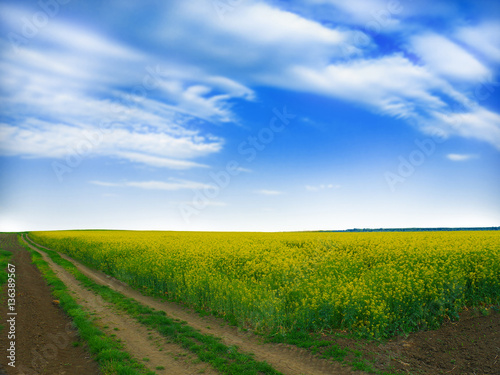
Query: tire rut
{"points": [[137, 340], [43, 334], [287, 359]]}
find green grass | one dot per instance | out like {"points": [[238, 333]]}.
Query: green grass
{"points": [[209, 349], [4, 261], [108, 353], [5, 256]]}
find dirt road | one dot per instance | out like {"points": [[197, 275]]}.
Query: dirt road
{"points": [[153, 350], [44, 335]]}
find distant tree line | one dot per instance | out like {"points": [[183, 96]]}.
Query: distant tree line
{"points": [[412, 229]]}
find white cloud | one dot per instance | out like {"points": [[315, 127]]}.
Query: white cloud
{"points": [[306, 56], [484, 38], [317, 188], [207, 203], [367, 12], [35, 138], [106, 184], [252, 42], [266, 25], [172, 184], [391, 85], [200, 101], [87, 77], [447, 58], [54, 97], [268, 192], [157, 161], [478, 124], [84, 41], [192, 91], [461, 157], [245, 170], [394, 86], [375, 16], [215, 203]]}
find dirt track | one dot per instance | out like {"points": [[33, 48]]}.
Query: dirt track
{"points": [[137, 340], [44, 334]]}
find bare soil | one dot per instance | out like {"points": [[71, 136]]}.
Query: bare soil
{"points": [[469, 346], [44, 334]]}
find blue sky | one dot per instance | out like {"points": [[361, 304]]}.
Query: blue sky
{"points": [[249, 115]]}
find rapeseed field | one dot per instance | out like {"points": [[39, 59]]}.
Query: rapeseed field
{"points": [[373, 284]]}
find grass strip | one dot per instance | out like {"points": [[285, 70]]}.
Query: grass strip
{"points": [[209, 349], [5, 256], [108, 352]]}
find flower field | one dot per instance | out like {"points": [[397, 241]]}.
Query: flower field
{"points": [[373, 284]]}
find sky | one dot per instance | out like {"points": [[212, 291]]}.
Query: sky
{"points": [[249, 115]]}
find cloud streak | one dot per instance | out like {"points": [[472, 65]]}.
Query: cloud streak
{"points": [[173, 184], [54, 97], [461, 157], [317, 188], [268, 192]]}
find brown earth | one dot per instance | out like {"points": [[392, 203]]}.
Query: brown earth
{"points": [[470, 346], [44, 334]]}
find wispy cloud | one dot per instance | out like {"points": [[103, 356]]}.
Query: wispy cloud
{"points": [[157, 161], [447, 58], [54, 97], [478, 123], [429, 73], [268, 192], [171, 185], [107, 184], [36, 138], [482, 38], [245, 170], [316, 188], [461, 157], [208, 203]]}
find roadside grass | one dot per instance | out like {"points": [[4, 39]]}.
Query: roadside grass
{"points": [[209, 349], [5, 256], [108, 353]]}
